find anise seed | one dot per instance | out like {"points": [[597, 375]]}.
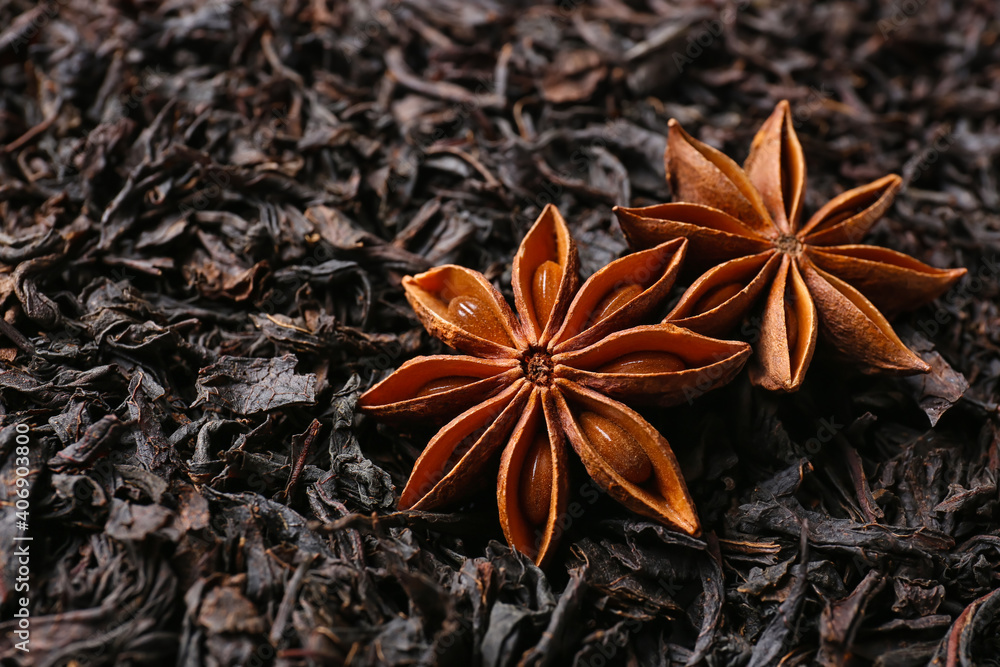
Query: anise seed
{"points": [[644, 363], [545, 288], [446, 383], [615, 300], [536, 481], [716, 297], [766, 197], [617, 447], [791, 326], [474, 316]]}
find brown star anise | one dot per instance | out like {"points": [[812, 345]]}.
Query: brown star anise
{"points": [[743, 225], [553, 375]]}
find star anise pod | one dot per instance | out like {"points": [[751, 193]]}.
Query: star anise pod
{"points": [[555, 374], [744, 227]]}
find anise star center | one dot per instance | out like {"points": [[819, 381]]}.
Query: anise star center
{"points": [[789, 245], [537, 367]]}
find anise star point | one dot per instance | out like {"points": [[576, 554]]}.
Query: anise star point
{"points": [[744, 227], [535, 386]]}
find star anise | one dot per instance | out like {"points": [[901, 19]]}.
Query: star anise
{"points": [[744, 227], [554, 375]]}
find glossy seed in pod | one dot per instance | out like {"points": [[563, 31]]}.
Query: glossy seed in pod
{"points": [[430, 477], [544, 289], [614, 300], [617, 447], [716, 297], [644, 363], [477, 318], [535, 489], [791, 325], [446, 383]]}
